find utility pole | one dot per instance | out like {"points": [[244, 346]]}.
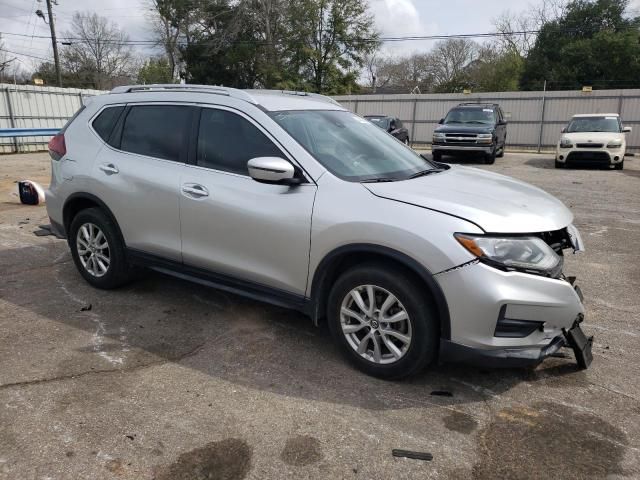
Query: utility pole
{"points": [[54, 43]]}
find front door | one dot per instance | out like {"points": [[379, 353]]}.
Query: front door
{"points": [[233, 225]]}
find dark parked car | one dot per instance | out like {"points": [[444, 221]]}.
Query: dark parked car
{"points": [[471, 127], [392, 125]]}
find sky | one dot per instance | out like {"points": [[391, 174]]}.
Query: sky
{"points": [[393, 18]]}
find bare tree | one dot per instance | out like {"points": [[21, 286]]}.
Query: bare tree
{"points": [[449, 59], [518, 31], [167, 33], [99, 52]]}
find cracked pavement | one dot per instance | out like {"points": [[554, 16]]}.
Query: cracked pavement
{"points": [[169, 380]]}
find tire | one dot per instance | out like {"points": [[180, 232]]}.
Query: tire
{"points": [[420, 326], [501, 154], [88, 224], [559, 164], [619, 166], [406, 141], [490, 158], [437, 156]]}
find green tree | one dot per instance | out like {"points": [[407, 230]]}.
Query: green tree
{"points": [[328, 40], [495, 70], [593, 43], [155, 70]]}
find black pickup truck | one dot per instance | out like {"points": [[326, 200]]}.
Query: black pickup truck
{"points": [[471, 128]]}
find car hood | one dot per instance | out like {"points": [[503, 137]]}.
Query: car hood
{"points": [[496, 203], [464, 128], [595, 137]]}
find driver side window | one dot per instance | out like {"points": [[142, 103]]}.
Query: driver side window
{"points": [[227, 141]]}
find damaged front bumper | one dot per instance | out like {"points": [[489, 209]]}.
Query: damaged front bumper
{"points": [[573, 338]]}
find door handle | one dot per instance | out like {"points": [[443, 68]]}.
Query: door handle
{"points": [[195, 190], [109, 168]]}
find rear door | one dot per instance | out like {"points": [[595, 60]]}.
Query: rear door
{"points": [[138, 175], [233, 225]]}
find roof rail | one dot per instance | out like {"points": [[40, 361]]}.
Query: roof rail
{"points": [[316, 96], [158, 87], [463, 104]]}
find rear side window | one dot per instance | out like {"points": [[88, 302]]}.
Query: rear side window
{"points": [[104, 123], [227, 141], [156, 131]]}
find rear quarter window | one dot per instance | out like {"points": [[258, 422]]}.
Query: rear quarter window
{"points": [[106, 121]]}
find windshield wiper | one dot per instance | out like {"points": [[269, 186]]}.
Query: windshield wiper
{"points": [[477, 121], [379, 180], [426, 172]]}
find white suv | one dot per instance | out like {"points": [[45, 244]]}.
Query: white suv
{"points": [[288, 198], [596, 138]]}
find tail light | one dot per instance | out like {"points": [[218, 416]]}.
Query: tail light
{"points": [[57, 147]]}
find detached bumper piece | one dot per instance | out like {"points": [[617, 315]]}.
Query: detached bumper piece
{"points": [[581, 345], [498, 358]]}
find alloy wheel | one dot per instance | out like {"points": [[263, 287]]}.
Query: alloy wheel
{"points": [[93, 249], [375, 324]]}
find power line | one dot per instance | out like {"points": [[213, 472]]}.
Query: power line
{"points": [[25, 55]]}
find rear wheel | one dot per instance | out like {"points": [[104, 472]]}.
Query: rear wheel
{"points": [[97, 249], [500, 154], [383, 323]]}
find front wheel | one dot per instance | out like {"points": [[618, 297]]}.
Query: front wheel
{"points": [[437, 156], [619, 166], [383, 322], [490, 158]]}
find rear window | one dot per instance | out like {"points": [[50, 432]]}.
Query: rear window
{"points": [[104, 123], [156, 131]]}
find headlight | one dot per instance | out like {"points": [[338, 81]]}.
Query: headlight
{"points": [[566, 143], [485, 138], [530, 254], [438, 136], [614, 144]]}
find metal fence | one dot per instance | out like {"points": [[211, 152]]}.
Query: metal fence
{"points": [[536, 118], [26, 106]]}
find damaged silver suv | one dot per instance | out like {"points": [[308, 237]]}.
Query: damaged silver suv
{"points": [[288, 198]]}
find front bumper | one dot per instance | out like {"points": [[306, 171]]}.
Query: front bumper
{"points": [[506, 318], [590, 155], [488, 149], [499, 357]]}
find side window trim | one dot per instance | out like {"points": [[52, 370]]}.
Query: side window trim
{"points": [[193, 160]]}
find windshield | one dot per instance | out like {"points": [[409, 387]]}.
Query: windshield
{"points": [[382, 122], [351, 147], [484, 116], [594, 124]]}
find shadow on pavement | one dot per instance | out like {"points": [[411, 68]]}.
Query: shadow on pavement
{"points": [[160, 319]]}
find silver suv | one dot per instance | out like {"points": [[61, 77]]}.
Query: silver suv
{"points": [[288, 198]]}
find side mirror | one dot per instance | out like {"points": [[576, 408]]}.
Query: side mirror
{"points": [[272, 170], [502, 122], [564, 130], [441, 122], [626, 129]]}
